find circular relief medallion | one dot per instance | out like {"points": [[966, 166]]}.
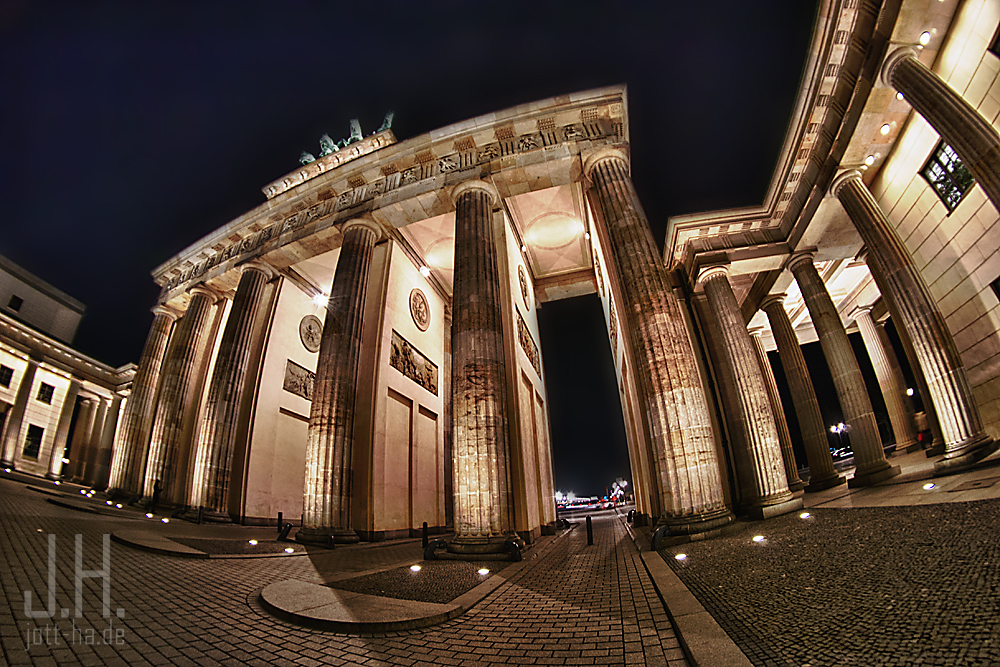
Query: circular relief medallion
{"points": [[419, 310], [311, 332], [523, 280]]}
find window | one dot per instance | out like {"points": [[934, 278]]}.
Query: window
{"points": [[994, 47], [15, 302], [5, 375], [33, 441], [45, 393], [948, 176]]}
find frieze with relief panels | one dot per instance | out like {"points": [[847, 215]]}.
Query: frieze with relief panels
{"points": [[412, 363], [298, 380], [428, 167], [528, 344]]}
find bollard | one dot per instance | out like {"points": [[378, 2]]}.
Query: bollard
{"points": [[423, 542], [590, 531], [283, 535], [279, 522], [201, 515]]}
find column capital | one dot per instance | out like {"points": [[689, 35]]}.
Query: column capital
{"points": [[475, 184], [362, 222], [166, 311], [859, 309], [892, 60], [773, 298], [708, 272], [600, 155], [207, 290], [261, 266], [842, 179], [800, 257], [756, 332]]}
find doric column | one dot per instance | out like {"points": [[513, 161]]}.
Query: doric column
{"points": [[822, 474], [82, 431], [675, 407], [784, 437], [62, 430], [865, 441], [177, 388], [937, 354], [327, 496], [85, 474], [217, 435], [900, 415], [129, 464], [15, 415], [973, 137], [102, 468], [769, 494], [897, 373], [480, 437]]}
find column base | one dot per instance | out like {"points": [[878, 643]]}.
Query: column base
{"points": [[473, 548], [825, 483], [697, 523], [760, 513], [915, 447], [323, 536], [7, 465], [207, 516], [966, 455], [53, 477], [936, 449], [872, 478], [796, 486]]}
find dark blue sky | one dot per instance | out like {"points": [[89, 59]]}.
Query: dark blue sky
{"points": [[130, 130]]}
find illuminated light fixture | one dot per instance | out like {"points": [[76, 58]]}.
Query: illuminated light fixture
{"points": [[289, 550], [424, 271], [165, 520], [39, 530], [414, 568], [929, 485], [885, 129], [65, 462], [925, 38], [586, 235], [57, 483], [758, 538], [805, 515], [524, 248], [870, 160], [681, 556], [82, 492], [252, 543], [118, 505], [483, 571], [8, 469], [321, 300], [899, 96], [108, 503], [909, 391], [149, 515]]}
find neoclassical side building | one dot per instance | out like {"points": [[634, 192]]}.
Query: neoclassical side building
{"points": [[362, 349]]}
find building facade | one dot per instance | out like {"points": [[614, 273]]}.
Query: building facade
{"points": [[362, 349]]}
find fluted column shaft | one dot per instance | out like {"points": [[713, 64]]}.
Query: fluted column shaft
{"points": [[973, 137], [675, 407], [129, 462], [900, 416], [767, 469], [784, 437], [89, 458], [483, 514], [822, 474], [896, 370], [327, 496], [865, 440], [176, 391], [942, 366], [102, 469], [15, 415], [82, 431], [217, 435], [62, 431]]}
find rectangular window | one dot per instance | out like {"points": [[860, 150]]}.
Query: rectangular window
{"points": [[947, 175], [45, 393], [15, 302], [5, 375], [33, 441]]}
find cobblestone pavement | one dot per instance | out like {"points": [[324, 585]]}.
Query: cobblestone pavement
{"points": [[867, 586], [575, 605]]}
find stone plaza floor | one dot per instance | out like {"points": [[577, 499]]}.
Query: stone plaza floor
{"points": [[570, 604]]}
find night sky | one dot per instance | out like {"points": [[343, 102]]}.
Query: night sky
{"points": [[128, 132]]}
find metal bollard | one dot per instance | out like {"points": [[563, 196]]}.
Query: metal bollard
{"points": [[201, 515], [423, 542], [283, 535], [590, 531], [280, 523]]}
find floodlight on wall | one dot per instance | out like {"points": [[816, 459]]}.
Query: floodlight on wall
{"points": [[925, 38], [321, 300], [885, 129], [424, 271], [899, 96], [870, 160], [909, 391]]}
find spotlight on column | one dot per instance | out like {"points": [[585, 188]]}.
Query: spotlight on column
{"points": [[870, 160], [925, 38], [424, 271]]}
